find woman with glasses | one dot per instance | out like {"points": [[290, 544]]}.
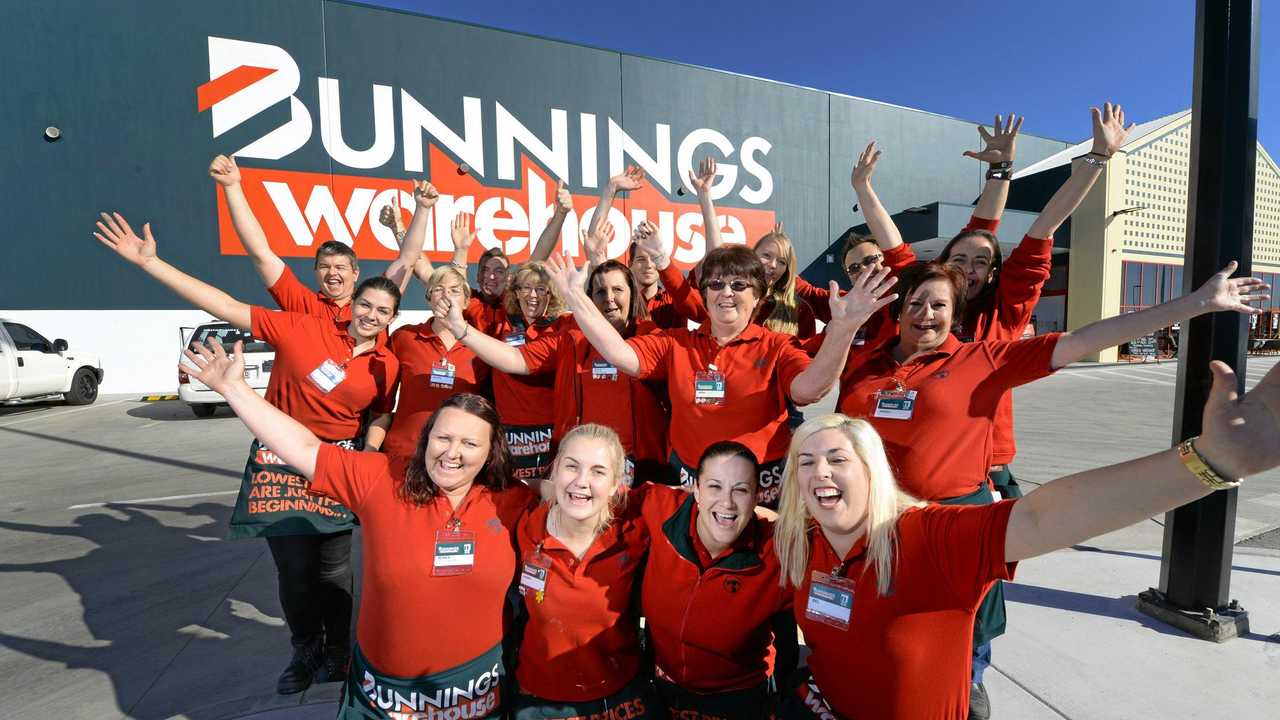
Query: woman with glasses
{"points": [[730, 378]]}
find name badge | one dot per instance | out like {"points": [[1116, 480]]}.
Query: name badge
{"points": [[328, 376], [455, 553], [708, 387], [533, 576], [895, 404], [442, 374], [830, 600], [515, 339], [602, 370]]}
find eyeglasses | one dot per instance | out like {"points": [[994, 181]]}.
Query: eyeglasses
{"points": [[531, 290], [866, 263], [717, 285], [455, 290]]}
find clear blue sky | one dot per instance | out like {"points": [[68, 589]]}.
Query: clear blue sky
{"points": [[1047, 60]]}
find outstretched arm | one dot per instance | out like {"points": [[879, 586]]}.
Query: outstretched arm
{"points": [[878, 219], [1001, 145], [1220, 293], [115, 233], [848, 313], [632, 179], [1238, 439], [286, 437], [551, 233], [495, 353], [599, 332], [403, 267], [226, 173], [1109, 134]]}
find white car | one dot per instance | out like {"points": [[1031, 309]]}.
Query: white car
{"points": [[258, 360], [32, 368]]}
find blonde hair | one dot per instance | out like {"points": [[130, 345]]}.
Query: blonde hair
{"points": [[617, 461], [442, 273], [533, 268], [885, 502], [785, 316]]}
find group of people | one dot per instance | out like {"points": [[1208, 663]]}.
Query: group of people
{"points": [[555, 455]]}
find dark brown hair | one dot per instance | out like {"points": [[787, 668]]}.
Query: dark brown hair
{"points": [[639, 309], [921, 272], [735, 260], [379, 282], [730, 448], [997, 259], [419, 489], [333, 247], [852, 240]]}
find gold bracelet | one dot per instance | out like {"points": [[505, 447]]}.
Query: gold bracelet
{"points": [[1197, 465]]}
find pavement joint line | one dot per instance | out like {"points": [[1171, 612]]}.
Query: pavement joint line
{"points": [[1032, 693], [1148, 381], [190, 638], [47, 416], [153, 499]]}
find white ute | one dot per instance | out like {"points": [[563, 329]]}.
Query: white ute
{"points": [[32, 368]]}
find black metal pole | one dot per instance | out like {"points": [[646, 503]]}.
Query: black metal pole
{"points": [[1195, 566]]}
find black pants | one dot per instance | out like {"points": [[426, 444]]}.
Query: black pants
{"points": [[315, 586]]}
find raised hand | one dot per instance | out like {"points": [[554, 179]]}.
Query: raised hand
{"points": [[1000, 145], [1238, 434], [448, 312], [645, 237], [865, 167], [224, 171], [1109, 132], [1223, 292], [461, 233], [867, 295], [631, 179], [116, 234], [705, 178], [391, 215], [564, 200], [596, 244], [424, 194], [565, 277], [213, 367]]}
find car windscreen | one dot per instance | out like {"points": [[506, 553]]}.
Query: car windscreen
{"points": [[228, 337]]}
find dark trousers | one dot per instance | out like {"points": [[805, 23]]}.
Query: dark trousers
{"points": [[314, 572]]}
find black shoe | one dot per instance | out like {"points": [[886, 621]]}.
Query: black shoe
{"points": [[334, 666], [979, 704], [301, 670]]}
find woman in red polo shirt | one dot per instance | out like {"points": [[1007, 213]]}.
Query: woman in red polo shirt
{"points": [[886, 586], [326, 376], [713, 604], [433, 613], [579, 556], [730, 378], [587, 389], [433, 366]]}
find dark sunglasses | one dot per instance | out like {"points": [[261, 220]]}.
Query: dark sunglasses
{"points": [[717, 285], [867, 263]]}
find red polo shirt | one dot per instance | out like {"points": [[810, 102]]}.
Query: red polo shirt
{"points": [[710, 619], [944, 449], [589, 389], [428, 374], [485, 313], [305, 342], [582, 641], [525, 399], [663, 311], [414, 623], [906, 656], [292, 296], [757, 368]]}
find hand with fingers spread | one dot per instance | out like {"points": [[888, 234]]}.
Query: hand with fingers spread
{"points": [[869, 293], [566, 278], [596, 244], [391, 215], [865, 167], [777, 229], [425, 194], [564, 200], [706, 177], [1109, 131], [1238, 434], [213, 367], [1225, 293], [224, 171], [115, 233], [461, 233], [631, 179], [1001, 143]]}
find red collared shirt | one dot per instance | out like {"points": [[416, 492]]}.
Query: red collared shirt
{"points": [[757, 367], [305, 342], [428, 374], [414, 623], [485, 313], [292, 296], [906, 655], [525, 399], [944, 449]]}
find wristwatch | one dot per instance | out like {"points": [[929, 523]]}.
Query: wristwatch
{"points": [[1000, 170], [1196, 464]]}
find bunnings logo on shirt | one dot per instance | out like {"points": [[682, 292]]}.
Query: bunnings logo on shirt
{"points": [[477, 699]]}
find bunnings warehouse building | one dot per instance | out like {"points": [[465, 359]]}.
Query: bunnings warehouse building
{"points": [[332, 107]]}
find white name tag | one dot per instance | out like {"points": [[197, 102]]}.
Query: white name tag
{"points": [[895, 404], [328, 376], [602, 370]]}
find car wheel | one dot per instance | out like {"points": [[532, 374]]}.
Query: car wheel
{"points": [[84, 388], [204, 409]]}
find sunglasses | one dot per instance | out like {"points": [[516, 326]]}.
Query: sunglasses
{"points": [[866, 263], [717, 285]]}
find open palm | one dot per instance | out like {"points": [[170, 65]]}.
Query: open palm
{"points": [[115, 233]]}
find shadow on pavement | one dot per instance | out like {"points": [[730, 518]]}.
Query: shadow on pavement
{"points": [[128, 453], [175, 411]]}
